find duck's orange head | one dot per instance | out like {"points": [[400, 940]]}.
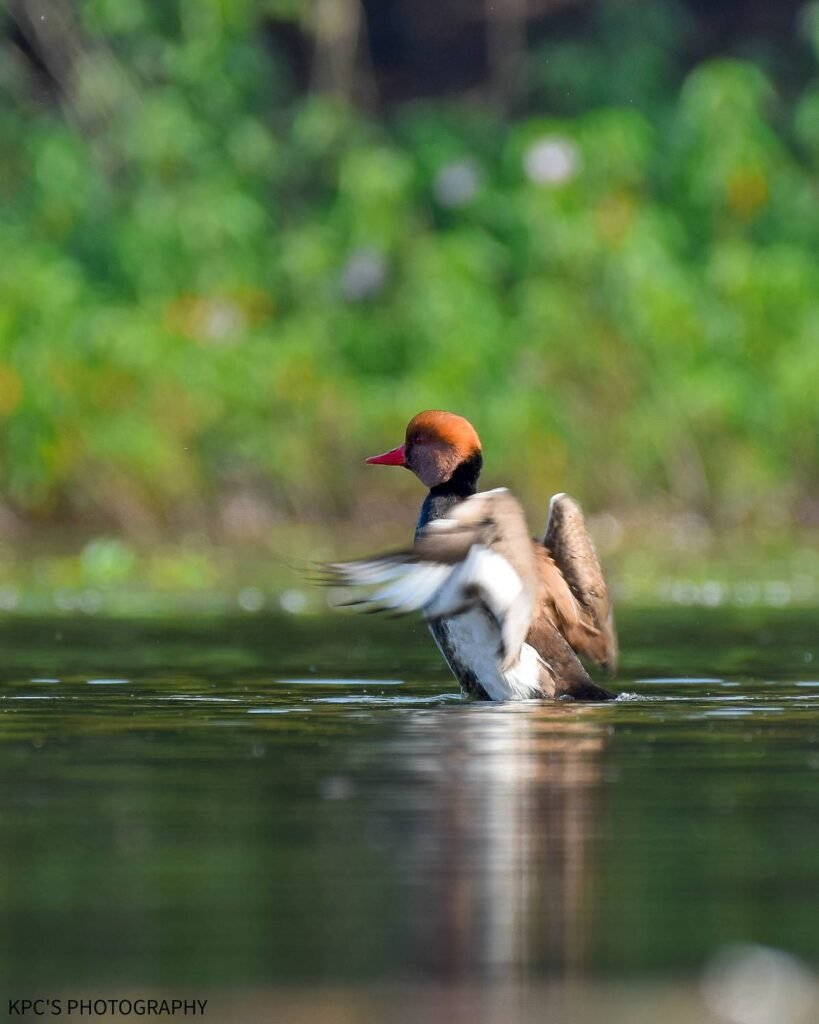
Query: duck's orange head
{"points": [[436, 443]]}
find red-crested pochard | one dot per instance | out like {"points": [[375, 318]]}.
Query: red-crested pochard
{"points": [[509, 614]]}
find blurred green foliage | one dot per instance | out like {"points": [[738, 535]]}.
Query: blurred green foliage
{"points": [[211, 282]]}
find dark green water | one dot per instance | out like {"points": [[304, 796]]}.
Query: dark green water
{"points": [[253, 802]]}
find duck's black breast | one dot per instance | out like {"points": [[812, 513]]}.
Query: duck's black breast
{"points": [[437, 504]]}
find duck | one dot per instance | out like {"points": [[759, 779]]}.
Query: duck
{"points": [[512, 616]]}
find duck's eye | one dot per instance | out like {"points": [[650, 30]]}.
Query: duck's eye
{"points": [[418, 439]]}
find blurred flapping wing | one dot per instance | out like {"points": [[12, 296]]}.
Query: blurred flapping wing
{"points": [[478, 555]]}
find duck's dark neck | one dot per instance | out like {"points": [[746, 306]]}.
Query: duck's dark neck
{"points": [[462, 484]]}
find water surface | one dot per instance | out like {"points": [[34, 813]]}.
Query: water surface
{"points": [[260, 805]]}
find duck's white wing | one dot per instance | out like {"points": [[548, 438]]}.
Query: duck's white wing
{"points": [[479, 555]]}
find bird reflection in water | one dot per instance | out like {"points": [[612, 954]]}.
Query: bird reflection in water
{"points": [[506, 841]]}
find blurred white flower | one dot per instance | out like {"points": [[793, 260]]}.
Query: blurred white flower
{"points": [[777, 593], [364, 274], [293, 601], [222, 321], [251, 599], [457, 183], [712, 593], [551, 160]]}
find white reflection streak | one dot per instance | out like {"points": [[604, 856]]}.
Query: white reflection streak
{"points": [[498, 757]]}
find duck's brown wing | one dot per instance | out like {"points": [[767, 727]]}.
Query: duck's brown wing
{"points": [[585, 615]]}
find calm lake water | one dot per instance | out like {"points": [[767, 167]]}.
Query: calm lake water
{"points": [[302, 819]]}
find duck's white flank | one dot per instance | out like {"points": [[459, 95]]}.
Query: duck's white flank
{"points": [[474, 639]]}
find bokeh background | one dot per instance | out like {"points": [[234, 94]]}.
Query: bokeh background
{"points": [[243, 241]]}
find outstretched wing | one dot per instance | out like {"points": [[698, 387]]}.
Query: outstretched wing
{"points": [[479, 554], [569, 547]]}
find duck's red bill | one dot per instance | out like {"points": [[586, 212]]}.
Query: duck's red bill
{"points": [[394, 458]]}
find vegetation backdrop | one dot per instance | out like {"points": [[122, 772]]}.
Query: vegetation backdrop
{"points": [[245, 240]]}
